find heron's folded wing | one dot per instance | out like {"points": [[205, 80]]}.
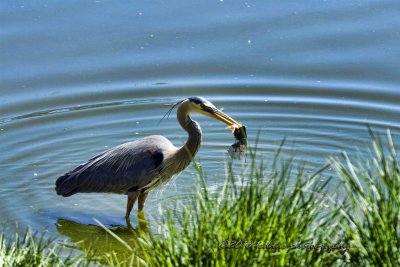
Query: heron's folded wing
{"points": [[120, 169]]}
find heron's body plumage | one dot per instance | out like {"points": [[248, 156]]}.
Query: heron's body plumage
{"points": [[129, 166]]}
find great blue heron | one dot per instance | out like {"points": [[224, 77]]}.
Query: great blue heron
{"points": [[134, 168]]}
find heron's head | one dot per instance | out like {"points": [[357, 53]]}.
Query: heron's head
{"points": [[203, 106]]}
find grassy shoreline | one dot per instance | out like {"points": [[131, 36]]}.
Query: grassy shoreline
{"points": [[275, 214]]}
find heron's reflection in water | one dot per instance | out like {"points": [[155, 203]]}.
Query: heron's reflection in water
{"points": [[98, 243]]}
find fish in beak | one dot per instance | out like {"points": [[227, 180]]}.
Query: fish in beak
{"points": [[237, 149]]}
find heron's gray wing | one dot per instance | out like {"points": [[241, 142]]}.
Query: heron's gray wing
{"points": [[129, 166]]}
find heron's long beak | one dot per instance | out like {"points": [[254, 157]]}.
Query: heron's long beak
{"points": [[219, 115]]}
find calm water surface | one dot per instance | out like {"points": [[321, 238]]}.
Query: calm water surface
{"points": [[78, 77]]}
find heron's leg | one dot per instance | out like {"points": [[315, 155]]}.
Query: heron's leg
{"points": [[142, 198], [132, 196]]}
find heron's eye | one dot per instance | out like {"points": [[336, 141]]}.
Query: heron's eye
{"points": [[206, 108]]}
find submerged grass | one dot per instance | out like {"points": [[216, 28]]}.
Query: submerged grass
{"points": [[275, 215]]}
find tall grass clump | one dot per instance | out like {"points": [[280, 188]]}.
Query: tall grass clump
{"points": [[30, 250], [257, 219], [370, 214]]}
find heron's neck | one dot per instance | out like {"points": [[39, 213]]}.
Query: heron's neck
{"points": [[190, 148]]}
